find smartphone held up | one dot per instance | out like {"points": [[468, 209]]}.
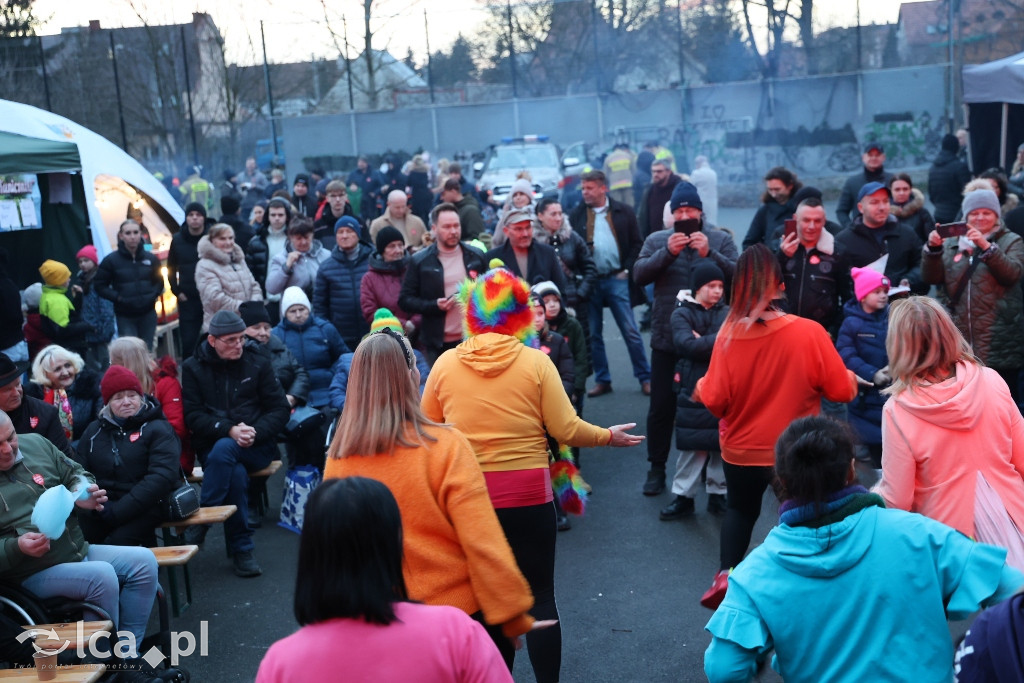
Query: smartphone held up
{"points": [[947, 230]]}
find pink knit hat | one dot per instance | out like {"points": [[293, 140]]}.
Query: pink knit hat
{"points": [[89, 252], [867, 280]]}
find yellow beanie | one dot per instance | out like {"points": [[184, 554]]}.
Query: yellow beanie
{"points": [[54, 273]]}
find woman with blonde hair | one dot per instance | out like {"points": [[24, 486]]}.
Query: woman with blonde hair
{"points": [[767, 369], [952, 437], [222, 277], [160, 380], [455, 551], [69, 387]]}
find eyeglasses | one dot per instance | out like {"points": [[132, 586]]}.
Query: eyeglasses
{"points": [[387, 331], [231, 341]]}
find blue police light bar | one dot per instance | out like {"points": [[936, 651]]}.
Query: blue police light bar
{"points": [[525, 138]]}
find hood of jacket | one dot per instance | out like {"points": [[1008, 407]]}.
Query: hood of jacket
{"points": [[564, 232], [945, 157], [953, 404], [208, 251], [166, 367], [825, 552], [913, 205], [489, 354], [379, 265], [149, 411]]}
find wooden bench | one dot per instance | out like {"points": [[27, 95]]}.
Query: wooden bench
{"points": [[75, 673], [258, 485], [211, 515], [174, 555], [68, 633]]}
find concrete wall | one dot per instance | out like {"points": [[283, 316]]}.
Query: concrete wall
{"points": [[814, 126]]}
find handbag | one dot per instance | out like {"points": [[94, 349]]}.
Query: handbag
{"points": [[303, 420], [182, 503], [299, 483]]}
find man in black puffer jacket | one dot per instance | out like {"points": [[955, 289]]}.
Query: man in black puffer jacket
{"points": [[235, 408], [130, 277], [668, 259], [873, 172], [182, 258], [946, 180]]}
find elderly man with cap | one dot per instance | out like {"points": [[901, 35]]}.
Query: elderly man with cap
{"points": [[668, 259], [531, 260], [338, 282], [876, 232], [873, 172], [397, 216], [29, 414], [234, 408]]}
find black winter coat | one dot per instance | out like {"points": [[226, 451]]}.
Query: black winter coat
{"points": [[541, 263], [946, 179], [424, 285], [182, 258], [577, 264], [132, 282], [696, 427], [219, 394], [859, 247], [289, 372], [627, 234], [813, 280], [422, 198], [38, 417], [557, 349], [672, 273], [336, 293], [136, 462], [11, 318], [257, 256], [768, 223], [847, 209]]}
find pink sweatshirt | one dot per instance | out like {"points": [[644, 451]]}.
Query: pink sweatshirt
{"points": [[425, 643], [936, 439]]}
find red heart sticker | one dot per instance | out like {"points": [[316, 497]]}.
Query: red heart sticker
{"points": [[472, 274], [38, 478], [814, 260], [33, 422], [134, 436]]}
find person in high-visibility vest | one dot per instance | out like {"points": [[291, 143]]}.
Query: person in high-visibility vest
{"points": [[196, 189], [661, 153], [619, 167]]}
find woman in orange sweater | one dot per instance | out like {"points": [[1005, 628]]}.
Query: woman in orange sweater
{"points": [[767, 369], [502, 392], [455, 551]]}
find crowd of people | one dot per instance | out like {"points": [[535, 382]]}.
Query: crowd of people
{"points": [[398, 307]]}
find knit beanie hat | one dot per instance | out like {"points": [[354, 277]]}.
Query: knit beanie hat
{"points": [[386, 236], [294, 296], [542, 289], [522, 185], [118, 378], [950, 143], [347, 222], [32, 295], [867, 280], [54, 273], [89, 252], [498, 301], [253, 313], [228, 205], [705, 272], [195, 206], [225, 322], [382, 318], [981, 199], [685, 194]]}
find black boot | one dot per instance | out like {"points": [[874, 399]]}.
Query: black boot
{"points": [[680, 507]]}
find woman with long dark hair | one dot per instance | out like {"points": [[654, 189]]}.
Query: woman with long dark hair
{"points": [[358, 622], [767, 368], [832, 586]]}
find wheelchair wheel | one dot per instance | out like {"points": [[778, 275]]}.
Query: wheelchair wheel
{"points": [[21, 606]]}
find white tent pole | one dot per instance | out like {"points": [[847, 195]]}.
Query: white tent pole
{"points": [[1002, 135]]}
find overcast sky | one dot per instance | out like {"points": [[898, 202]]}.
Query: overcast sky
{"points": [[296, 28]]}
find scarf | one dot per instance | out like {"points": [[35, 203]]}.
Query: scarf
{"points": [[58, 398], [838, 506]]}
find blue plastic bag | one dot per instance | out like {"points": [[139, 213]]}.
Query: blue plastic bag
{"points": [[299, 483]]}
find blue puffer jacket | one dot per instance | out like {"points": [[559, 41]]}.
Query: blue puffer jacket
{"points": [[339, 385], [336, 293], [861, 344], [317, 345]]}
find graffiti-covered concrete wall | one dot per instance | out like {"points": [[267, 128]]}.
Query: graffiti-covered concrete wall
{"points": [[814, 126]]}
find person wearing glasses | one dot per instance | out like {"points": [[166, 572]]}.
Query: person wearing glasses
{"points": [[234, 408]]}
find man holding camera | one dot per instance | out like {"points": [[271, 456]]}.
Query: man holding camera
{"points": [[668, 258]]}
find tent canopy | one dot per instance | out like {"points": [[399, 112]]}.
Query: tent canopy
{"points": [[21, 153], [998, 81]]}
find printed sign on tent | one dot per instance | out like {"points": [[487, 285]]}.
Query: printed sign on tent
{"points": [[19, 202]]}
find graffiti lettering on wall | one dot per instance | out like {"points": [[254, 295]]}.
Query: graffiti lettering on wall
{"points": [[741, 152]]}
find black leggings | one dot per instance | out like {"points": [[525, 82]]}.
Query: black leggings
{"points": [[530, 531], [746, 487]]}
